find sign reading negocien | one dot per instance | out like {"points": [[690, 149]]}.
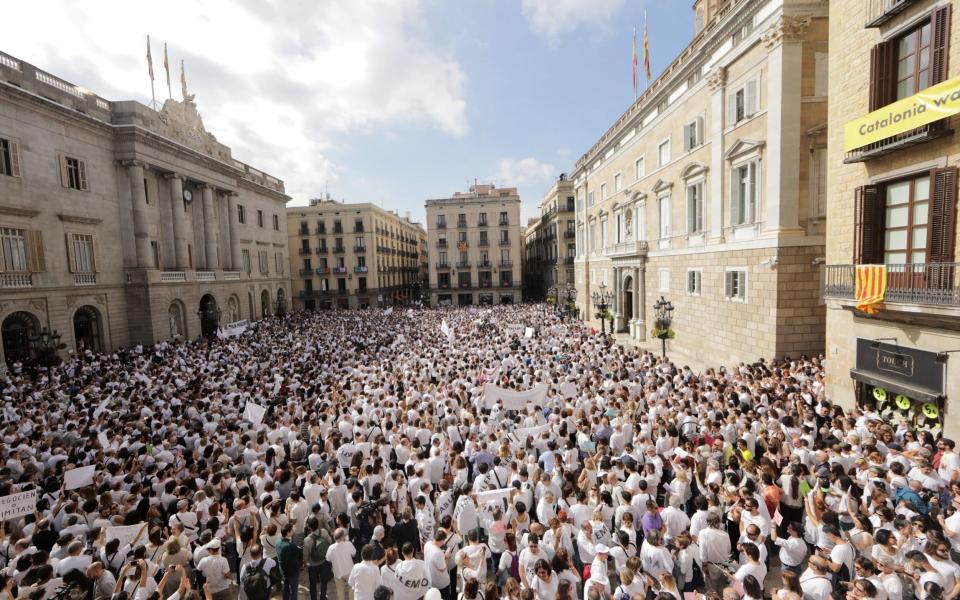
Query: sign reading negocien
{"points": [[932, 104], [18, 505]]}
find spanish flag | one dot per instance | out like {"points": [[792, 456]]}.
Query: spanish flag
{"points": [[871, 285], [634, 61], [646, 48]]}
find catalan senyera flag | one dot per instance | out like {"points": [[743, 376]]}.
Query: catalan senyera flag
{"points": [[633, 61], [462, 246], [646, 47], [871, 285]]}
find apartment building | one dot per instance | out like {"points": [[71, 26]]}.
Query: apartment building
{"points": [[122, 224], [550, 243], [473, 242], [354, 255], [709, 190], [892, 206]]}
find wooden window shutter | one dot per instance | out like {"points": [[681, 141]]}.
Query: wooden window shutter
{"points": [[64, 176], [732, 109], [751, 100], [868, 227], [700, 126], [35, 259], [14, 158], [881, 74], [82, 169], [71, 259], [686, 137], [941, 45], [735, 217], [944, 218], [95, 257]]}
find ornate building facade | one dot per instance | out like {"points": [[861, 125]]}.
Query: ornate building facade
{"points": [[709, 190], [550, 243], [121, 224], [354, 255]]}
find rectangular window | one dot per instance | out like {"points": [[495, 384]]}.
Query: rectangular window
{"points": [[73, 173], [359, 244], [743, 195], [639, 169], [743, 102], [503, 219], [593, 237], [443, 259], [13, 246], [9, 158], [735, 286], [461, 236], [259, 218], [694, 282], [504, 237], [441, 221], [276, 223], [324, 285], [603, 234], [83, 257], [483, 238], [695, 208], [146, 191], [818, 190], [482, 219], [155, 248], [358, 226], [906, 221], [462, 220], [664, 280], [617, 182], [264, 262], [693, 134], [337, 226], [603, 192], [241, 214], [278, 262], [663, 206], [505, 256], [341, 285], [245, 255], [912, 61], [341, 262], [663, 153], [590, 199]]}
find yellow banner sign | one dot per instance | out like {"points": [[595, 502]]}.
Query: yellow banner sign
{"points": [[932, 104]]}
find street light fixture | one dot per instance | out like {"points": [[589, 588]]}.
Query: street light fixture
{"points": [[279, 306], [664, 312], [602, 299], [45, 346]]}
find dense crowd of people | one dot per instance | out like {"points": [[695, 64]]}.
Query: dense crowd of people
{"points": [[381, 469]]}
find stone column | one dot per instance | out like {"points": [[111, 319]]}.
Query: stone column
{"points": [[141, 228], [235, 259], [640, 302], [781, 191], [209, 228], [180, 234]]}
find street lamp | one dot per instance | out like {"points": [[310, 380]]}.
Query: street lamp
{"points": [[45, 346], [279, 306], [602, 299], [571, 296], [664, 311]]}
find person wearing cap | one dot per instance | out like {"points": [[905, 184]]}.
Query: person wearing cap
{"points": [[216, 571]]}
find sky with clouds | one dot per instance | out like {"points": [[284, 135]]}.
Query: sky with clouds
{"points": [[385, 101]]}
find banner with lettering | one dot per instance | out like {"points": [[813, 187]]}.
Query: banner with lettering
{"points": [[514, 400], [18, 505]]}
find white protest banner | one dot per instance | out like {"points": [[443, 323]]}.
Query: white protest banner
{"points": [[568, 389], [104, 440], [446, 330], [18, 505], [388, 312], [78, 478], [515, 329], [254, 413], [409, 313], [513, 400], [493, 495], [528, 332], [124, 533], [522, 433], [100, 408], [232, 329]]}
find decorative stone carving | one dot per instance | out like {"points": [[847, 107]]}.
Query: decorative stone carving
{"points": [[717, 79], [183, 123], [788, 28]]}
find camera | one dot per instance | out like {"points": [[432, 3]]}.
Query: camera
{"points": [[368, 510]]}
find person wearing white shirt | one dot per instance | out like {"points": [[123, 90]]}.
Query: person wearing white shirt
{"points": [[365, 576], [714, 551], [815, 582], [435, 556], [340, 554], [793, 549], [216, 570], [676, 520]]}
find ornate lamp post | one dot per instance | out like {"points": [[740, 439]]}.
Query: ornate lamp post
{"points": [[664, 313], [279, 306], [45, 346], [571, 296], [602, 299]]}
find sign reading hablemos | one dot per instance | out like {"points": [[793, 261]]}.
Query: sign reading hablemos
{"points": [[18, 505], [932, 104]]}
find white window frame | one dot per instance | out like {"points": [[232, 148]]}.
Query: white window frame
{"points": [[639, 168], [83, 251], [617, 182], [694, 277], [742, 294], [13, 250], [752, 208], [693, 134], [663, 280], [590, 198], [698, 227], [603, 234], [660, 146], [603, 192], [751, 101], [664, 230]]}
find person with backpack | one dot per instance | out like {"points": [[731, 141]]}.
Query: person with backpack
{"points": [[315, 546], [289, 557], [255, 576]]}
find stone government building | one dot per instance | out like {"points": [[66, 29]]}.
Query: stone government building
{"points": [[710, 190], [122, 224]]}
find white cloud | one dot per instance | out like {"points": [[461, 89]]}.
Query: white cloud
{"points": [[276, 81], [551, 18], [525, 171]]}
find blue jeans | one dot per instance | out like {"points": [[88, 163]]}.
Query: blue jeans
{"points": [[290, 585]]}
